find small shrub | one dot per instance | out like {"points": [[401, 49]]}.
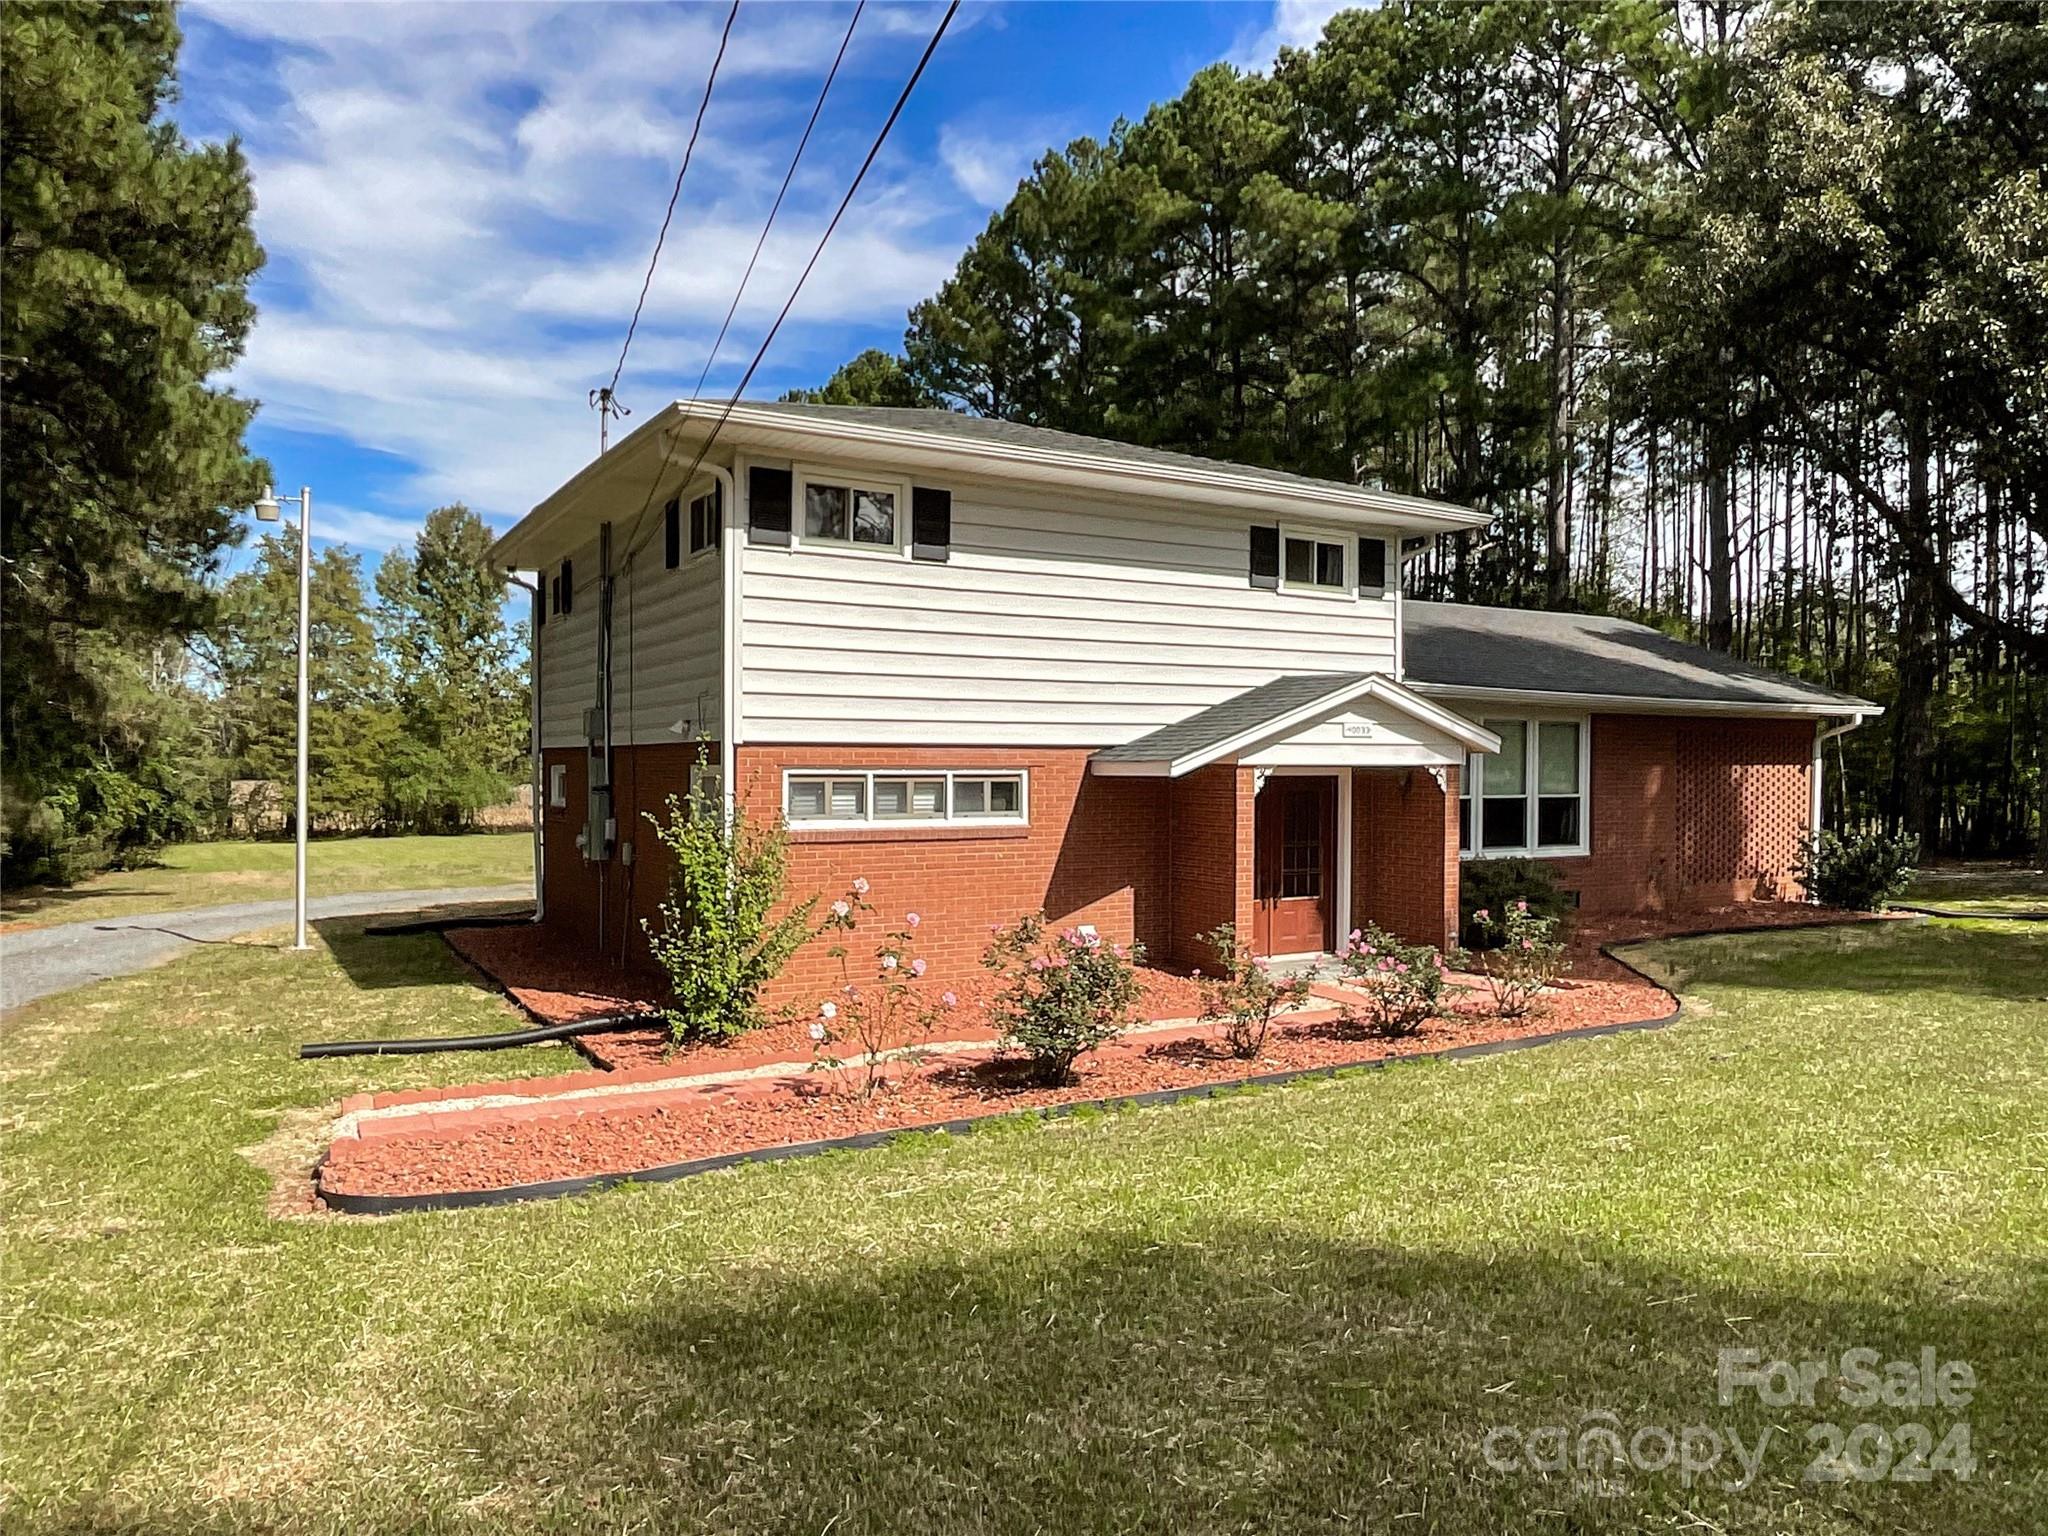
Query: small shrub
{"points": [[1244, 999], [1862, 872], [713, 937], [1528, 958], [1062, 994], [1495, 885], [1403, 983], [882, 1016]]}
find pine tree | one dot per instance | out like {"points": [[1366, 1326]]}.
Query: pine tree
{"points": [[125, 258]]}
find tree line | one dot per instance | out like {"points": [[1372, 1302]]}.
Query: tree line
{"points": [[137, 679], [1733, 315]]}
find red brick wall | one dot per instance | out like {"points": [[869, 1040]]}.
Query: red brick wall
{"points": [[642, 779], [1692, 811], [1404, 853], [1211, 864], [1096, 851]]}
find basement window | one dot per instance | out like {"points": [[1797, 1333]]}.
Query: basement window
{"points": [[827, 799]]}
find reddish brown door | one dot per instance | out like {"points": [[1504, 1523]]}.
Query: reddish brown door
{"points": [[1294, 859]]}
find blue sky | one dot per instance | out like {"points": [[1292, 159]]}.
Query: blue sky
{"points": [[458, 202]]}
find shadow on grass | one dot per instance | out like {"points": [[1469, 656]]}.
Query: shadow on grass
{"points": [[375, 961], [1231, 1376]]}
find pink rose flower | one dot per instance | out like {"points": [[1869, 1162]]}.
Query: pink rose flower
{"points": [[817, 1032], [860, 887], [1039, 962], [1521, 906], [911, 919], [917, 967], [828, 1011], [949, 1000], [840, 909], [1528, 943], [888, 962]]}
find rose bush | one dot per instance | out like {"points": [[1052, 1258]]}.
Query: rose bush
{"points": [[1062, 994]]}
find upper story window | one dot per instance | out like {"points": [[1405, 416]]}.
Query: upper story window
{"points": [[859, 798], [705, 521], [1313, 562], [850, 512], [1530, 796]]}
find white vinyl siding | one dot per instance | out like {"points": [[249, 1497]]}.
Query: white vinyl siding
{"points": [[1054, 621], [666, 629]]}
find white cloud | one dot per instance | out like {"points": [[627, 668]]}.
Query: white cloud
{"points": [[459, 202], [987, 168], [1295, 24]]}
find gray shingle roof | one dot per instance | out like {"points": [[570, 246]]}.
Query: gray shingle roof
{"points": [[1520, 650], [1234, 716], [987, 429]]}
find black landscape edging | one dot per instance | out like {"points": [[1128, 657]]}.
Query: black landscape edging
{"points": [[1995, 917], [549, 1189]]}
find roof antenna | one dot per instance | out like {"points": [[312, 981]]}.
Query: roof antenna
{"points": [[607, 405]]}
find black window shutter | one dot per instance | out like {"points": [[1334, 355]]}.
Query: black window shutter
{"points": [[1265, 553], [768, 493], [540, 609], [931, 523], [714, 517], [1372, 567], [672, 532], [568, 580]]}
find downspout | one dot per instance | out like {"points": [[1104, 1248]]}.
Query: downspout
{"points": [[732, 549], [539, 775], [1820, 740]]}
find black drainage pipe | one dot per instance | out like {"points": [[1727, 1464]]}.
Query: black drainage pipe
{"points": [[549, 1189], [443, 924], [1951, 912], [539, 1035]]}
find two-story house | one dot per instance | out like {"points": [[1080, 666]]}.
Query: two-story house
{"points": [[993, 669]]}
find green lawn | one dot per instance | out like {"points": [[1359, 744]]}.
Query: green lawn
{"points": [[1980, 888], [211, 874], [1301, 1309]]}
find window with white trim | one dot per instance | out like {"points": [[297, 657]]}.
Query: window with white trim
{"points": [[558, 786], [1314, 562], [887, 797], [850, 513], [705, 520], [1530, 796]]}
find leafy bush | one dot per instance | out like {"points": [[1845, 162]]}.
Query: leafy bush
{"points": [[1244, 999], [1863, 872], [1062, 995], [714, 938], [1403, 984], [1495, 885], [883, 1016], [1528, 958]]}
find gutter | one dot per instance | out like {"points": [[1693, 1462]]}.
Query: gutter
{"points": [[1643, 704], [1217, 487]]}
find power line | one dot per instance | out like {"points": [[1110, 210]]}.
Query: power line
{"points": [[874, 150], [603, 399], [787, 177]]}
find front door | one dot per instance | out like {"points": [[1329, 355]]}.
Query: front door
{"points": [[1294, 847]]}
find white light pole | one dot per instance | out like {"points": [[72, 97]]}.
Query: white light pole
{"points": [[267, 512]]}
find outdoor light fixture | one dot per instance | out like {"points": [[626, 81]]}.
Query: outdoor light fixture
{"points": [[268, 510]]}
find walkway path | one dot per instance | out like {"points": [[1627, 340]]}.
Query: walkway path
{"points": [[35, 962]]}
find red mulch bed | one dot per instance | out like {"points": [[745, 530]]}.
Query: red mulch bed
{"points": [[784, 1111], [787, 1110], [545, 1143]]}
